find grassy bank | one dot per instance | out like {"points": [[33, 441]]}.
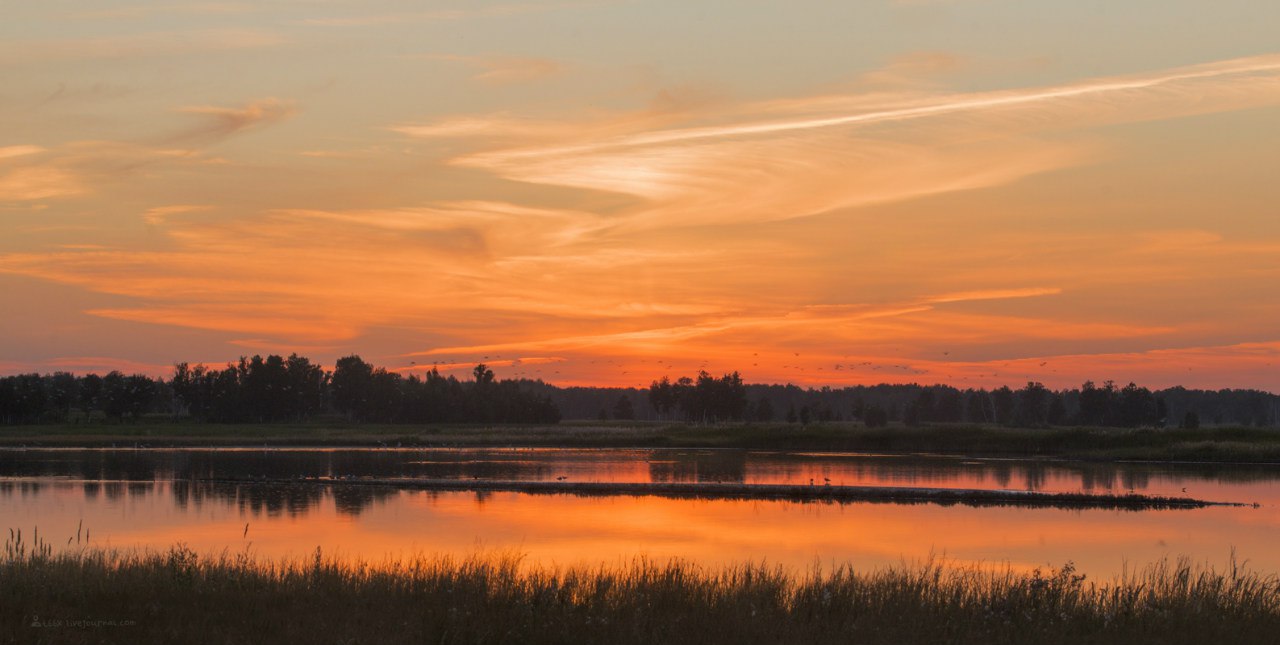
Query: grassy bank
{"points": [[1223, 445], [790, 492], [178, 596]]}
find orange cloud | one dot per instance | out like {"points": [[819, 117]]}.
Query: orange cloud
{"points": [[780, 161], [783, 238], [220, 122], [506, 69]]}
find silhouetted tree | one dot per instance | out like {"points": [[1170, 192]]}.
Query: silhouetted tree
{"points": [[763, 409], [622, 409], [1003, 403], [1057, 410], [979, 408], [876, 417], [1033, 406], [90, 391], [911, 414], [1191, 420], [1097, 404], [662, 397], [949, 406], [1137, 406], [306, 387], [351, 381], [64, 393]]}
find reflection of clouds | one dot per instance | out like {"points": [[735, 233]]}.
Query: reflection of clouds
{"points": [[369, 522], [187, 475]]}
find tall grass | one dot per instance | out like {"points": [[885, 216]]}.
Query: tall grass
{"points": [[90, 596]]}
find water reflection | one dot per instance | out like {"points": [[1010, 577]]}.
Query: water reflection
{"points": [[116, 472], [206, 497]]}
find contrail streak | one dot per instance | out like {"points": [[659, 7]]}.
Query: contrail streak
{"points": [[956, 104]]}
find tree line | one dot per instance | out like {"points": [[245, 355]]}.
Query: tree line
{"points": [[275, 389], [1033, 405], [285, 389]]}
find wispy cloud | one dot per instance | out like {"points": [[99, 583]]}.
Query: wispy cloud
{"points": [[19, 151], [500, 70], [832, 323], [37, 182], [818, 159], [995, 294], [158, 215], [681, 232], [29, 172], [220, 122], [89, 365]]}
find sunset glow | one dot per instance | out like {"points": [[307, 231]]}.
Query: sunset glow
{"points": [[603, 193]]}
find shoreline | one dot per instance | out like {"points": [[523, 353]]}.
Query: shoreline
{"points": [[781, 492], [1206, 446]]}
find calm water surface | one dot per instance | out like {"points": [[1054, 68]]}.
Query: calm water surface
{"points": [[158, 497]]}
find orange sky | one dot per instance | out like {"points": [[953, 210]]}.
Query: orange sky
{"points": [[606, 192]]}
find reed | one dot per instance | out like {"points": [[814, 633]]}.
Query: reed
{"points": [[92, 595]]}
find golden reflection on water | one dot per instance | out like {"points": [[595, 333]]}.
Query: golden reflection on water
{"points": [[128, 500], [564, 529]]}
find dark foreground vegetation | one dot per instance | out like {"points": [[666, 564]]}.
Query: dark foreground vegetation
{"points": [[178, 596]]}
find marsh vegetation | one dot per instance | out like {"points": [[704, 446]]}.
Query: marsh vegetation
{"points": [[1220, 445], [83, 596]]}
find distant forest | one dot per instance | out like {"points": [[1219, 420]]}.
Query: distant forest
{"points": [[290, 389]]}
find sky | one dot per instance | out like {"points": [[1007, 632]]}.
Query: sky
{"points": [[970, 192]]}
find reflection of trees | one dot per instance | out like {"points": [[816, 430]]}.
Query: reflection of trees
{"points": [[717, 466], [1097, 478], [1003, 474], [352, 500], [274, 498], [113, 475], [113, 490], [269, 498], [1136, 479], [1035, 475], [23, 488]]}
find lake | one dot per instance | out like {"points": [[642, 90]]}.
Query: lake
{"points": [[154, 498]]}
